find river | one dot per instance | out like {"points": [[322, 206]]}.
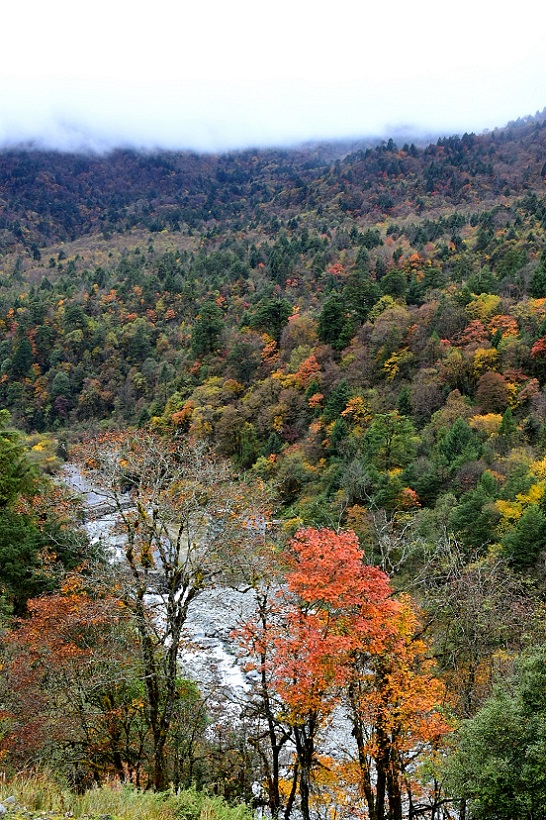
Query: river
{"points": [[209, 655]]}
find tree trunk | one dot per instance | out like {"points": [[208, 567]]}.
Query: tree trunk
{"points": [[305, 748], [394, 791], [364, 765]]}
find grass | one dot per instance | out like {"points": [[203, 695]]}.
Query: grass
{"points": [[37, 792], [42, 796]]}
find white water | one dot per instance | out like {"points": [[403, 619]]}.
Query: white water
{"points": [[208, 654]]}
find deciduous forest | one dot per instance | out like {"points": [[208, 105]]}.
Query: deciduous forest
{"points": [[317, 377]]}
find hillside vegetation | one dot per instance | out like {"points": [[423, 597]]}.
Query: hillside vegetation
{"points": [[365, 335]]}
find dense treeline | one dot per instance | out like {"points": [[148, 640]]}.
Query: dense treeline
{"points": [[352, 367], [49, 196], [367, 336]]}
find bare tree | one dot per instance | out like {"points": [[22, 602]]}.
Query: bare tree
{"points": [[184, 522], [476, 607]]}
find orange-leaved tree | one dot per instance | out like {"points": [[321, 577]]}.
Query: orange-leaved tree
{"points": [[394, 704], [343, 639], [72, 691], [337, 606]]}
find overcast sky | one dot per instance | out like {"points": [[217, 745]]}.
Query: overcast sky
{"points": [[235, 73]]}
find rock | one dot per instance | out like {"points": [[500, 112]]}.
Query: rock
{"points": [[2, 809], [9, 801]]}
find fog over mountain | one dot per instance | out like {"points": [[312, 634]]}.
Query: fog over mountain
{"points": [[222, 76]]}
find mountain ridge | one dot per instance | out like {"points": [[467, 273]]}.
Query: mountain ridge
{"points": [[47, 197]]}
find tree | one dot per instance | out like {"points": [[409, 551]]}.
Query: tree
{"points": [[73, 691], [457, 444], [271, 315], [270, 732], [207, 330], [22, 359], [498, 760], [337, 401], [184, 522], [394, 703], [339, 637], [507, 431], [37, 535], [61, 393], [390, 441], [16, 473], [332, 322], [537, 283], [21, 570], [476, 607], [492, 392], [523, 545], [360, 294]]}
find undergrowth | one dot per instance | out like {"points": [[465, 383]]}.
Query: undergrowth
{"points": [[42, 795]]}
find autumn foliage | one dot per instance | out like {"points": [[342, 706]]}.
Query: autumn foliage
{"points": [[72, 689], [340, 639]]}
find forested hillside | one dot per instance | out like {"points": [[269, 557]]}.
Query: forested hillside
{"points": [[365, 336]]}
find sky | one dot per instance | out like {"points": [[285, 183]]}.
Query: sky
{"points": [[230, 74]]}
